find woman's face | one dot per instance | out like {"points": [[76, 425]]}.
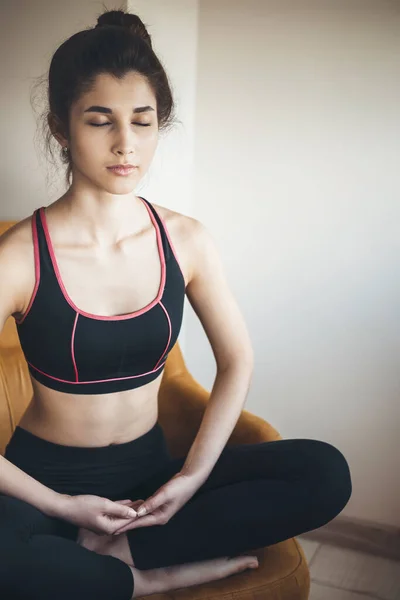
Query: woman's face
{"points": [[116, 122]]}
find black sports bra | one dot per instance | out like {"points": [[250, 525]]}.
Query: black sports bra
{"points": [[76, 352]]}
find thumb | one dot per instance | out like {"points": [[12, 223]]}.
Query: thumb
{"points": [[120, 510], [152, 503]]}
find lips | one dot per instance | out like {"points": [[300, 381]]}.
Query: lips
{"points": [[122, 170], [122, 166]]}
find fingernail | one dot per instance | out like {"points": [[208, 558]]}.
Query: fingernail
{"points": [[132, 512], [141, 511]]}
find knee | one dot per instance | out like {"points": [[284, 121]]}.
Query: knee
{"points": [[330, 479]]}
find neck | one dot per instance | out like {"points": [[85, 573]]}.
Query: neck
{"points": [[105, 220]]}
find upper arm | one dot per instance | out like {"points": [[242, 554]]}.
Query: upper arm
{"points": [[15, 271], [214, 303]]}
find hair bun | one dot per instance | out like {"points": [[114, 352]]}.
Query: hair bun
{"points": [[129, 21]]}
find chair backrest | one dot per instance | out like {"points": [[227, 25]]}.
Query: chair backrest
{"points": [[15, 384], [4, 225]]}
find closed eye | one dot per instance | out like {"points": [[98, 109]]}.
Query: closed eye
{"points": [[102, 124]]}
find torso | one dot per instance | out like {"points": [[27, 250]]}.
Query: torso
{"points": [[102, 419]]}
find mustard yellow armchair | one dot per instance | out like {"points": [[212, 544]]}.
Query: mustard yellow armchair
{"points": [[283, 571]]}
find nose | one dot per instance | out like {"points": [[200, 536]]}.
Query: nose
{"points": [[125, 142], [124, 150]]}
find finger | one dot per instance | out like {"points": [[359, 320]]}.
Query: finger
{"points": [[152, 503], [119, 510], [131, 503], [146, 521], [120, 522]]}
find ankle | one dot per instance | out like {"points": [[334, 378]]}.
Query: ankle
{"points": [[118, 547]]}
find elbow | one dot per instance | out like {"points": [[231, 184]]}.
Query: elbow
{"points": [[241, 362]]}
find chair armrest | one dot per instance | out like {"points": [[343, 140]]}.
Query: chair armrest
{"points": [[182, 402]]}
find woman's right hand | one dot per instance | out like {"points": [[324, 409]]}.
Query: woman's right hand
{"points": [[100, 515]]}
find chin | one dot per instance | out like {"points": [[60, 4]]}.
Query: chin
{"points": [[121, 191], [121, 186]]}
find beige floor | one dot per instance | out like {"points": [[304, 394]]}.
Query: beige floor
{"points": [[342, 574]]}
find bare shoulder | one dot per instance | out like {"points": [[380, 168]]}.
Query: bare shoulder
{"points": [[17, 267], [178, 223], [186, 234], [16, 244], [17, 232]]}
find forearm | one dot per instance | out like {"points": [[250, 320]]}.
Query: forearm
{"points": [[223, 410], [15, 482]]}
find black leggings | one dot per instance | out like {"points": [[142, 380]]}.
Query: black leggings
{"points": [[256, 495]]}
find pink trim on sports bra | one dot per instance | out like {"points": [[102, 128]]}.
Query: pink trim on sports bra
{"points": [[134, 314], [170, 332], [169, 239], [37, 268], [95, 380], [73, 348]]}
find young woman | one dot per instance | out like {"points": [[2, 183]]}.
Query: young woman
{"points": [[92, 505]]}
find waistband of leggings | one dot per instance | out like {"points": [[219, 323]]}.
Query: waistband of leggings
{"points": [[25, 441]]}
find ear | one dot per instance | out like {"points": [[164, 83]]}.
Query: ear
{"points": [[56, 128]]}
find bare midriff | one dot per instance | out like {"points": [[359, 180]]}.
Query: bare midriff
{"points": [[91, 420]]}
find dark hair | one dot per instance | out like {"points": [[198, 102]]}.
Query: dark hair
{"points": [[119, 43]]}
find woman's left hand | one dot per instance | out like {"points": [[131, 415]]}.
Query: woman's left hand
{"points": [[164, 503]]}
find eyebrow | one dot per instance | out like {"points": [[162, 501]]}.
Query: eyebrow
{"points": [[103, 109]]}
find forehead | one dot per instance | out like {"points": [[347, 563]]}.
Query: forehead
{"points": [[118, 94]]}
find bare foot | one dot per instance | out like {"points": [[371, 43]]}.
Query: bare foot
{"points": [[90, 540], [165, 579], [112, 545], [152, 581]]}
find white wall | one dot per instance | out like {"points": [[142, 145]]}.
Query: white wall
{"points": [[297, 144], [298, 188]]}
